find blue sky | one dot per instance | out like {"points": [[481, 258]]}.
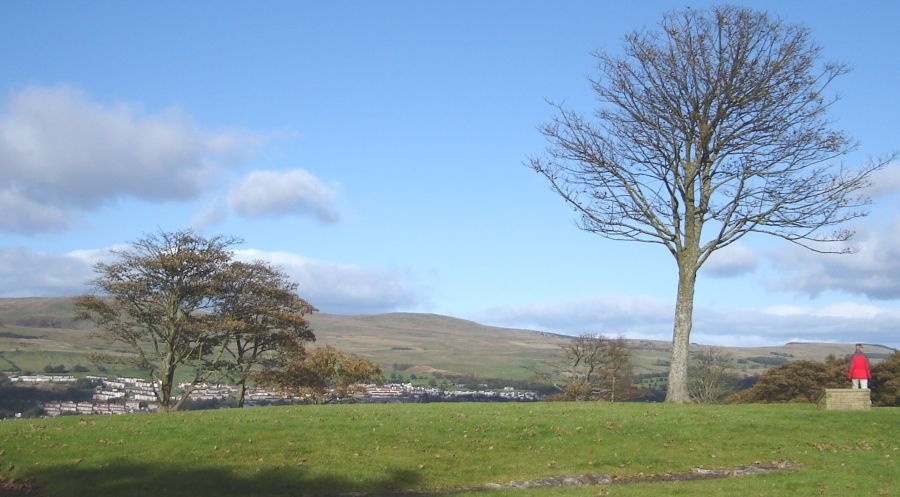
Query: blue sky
{"points": [[375, 151]]}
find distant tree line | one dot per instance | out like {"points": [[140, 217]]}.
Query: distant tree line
{"points": [[768, 361], [62, 369], [44, 322]]}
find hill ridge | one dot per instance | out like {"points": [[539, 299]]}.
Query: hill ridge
{"points": [[396, 340]]}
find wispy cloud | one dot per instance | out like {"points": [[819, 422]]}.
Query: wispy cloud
{"points": [[734, 260], [279, 193], [650, 318], [345, 288], [886, 182], [63, 153], [611, 315]]}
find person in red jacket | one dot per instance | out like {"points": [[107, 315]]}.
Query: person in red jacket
{"points": [[859, 372]]}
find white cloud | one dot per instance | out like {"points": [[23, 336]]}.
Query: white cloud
{"points": [[61, 151], [275, 193], [734, 260], [342, 288]]}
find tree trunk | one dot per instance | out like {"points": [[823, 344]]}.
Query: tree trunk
{"points": [[612, 394], [167, 383], [165, 394], [677, 390], [241, 392]]}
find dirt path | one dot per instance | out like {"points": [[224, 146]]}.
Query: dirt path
{"points": [[598, 479]]}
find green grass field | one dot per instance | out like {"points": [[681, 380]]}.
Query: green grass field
{"points": [[435, 449]]}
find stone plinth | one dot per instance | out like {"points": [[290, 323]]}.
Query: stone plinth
{"points": [[846, 399]]}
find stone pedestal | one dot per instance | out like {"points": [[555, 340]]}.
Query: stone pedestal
{"points": [[846, 399]]}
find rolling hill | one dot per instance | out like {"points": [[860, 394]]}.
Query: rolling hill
{"points": [[36, 332]]}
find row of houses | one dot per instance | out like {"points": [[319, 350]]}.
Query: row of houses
{"points": [[129, 395], [54, 409], [42, 378], [406, 392], [390, 392], [125, 391], [253, 396]]}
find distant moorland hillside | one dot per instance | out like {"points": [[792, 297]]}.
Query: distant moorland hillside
{"points": [[40, 332]]}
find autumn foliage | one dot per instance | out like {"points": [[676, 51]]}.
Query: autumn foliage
{"points": [[322, 374]]}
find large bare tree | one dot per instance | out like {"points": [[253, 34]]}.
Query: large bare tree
{"points": [[709, 129]]}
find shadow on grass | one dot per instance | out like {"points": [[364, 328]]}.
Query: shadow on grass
{"points": [[187, 480], [139, 480]]}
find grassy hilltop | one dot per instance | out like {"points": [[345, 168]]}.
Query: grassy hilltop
{"points": [[521, 450], [37, 332], [463, 449]]}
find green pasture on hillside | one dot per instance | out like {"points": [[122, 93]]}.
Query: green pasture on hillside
{"points": [[435, 449], [35, 362]]}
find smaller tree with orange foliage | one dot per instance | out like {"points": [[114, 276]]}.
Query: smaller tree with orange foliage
{"points": [[323, 374]]}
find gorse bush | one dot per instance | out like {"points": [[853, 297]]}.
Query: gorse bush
{"points": [[806, 381], [886, 381]]}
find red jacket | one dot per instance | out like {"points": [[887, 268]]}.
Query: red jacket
{"points": [[859, 367]]}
